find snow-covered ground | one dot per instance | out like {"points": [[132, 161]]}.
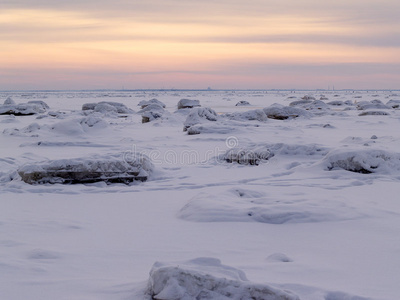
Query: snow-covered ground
{"points": [[300, 198]]}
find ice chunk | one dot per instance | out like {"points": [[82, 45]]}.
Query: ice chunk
{"points": [[111, 169], [188, 103], [207, 279]]}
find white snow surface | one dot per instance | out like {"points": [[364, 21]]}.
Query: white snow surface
{"points": [[318, 216]]}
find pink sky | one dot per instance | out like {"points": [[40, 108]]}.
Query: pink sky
{"points": [[191, 44]]}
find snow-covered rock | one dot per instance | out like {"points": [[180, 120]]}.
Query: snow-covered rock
{"points": [[255, 154], [199, 116], [21, 109], [363, 161], [281, 112], [111, 169], [207, 279], [250, 115], [104, 106], [188, 103], [374, 113], [248, 156], [145, 103], [151, 112], [374, 104], [393, 103], [243, 103]]}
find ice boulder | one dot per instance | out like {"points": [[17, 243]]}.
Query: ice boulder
{"points": [[110, 169], [145, 103], [363, 161], [9, 101], [198, 116], [188, 103], [151, 112], [248, 156], [41, 103], [207, 279], [281, 112]]}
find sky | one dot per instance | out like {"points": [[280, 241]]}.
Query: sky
{"points": [[218, 44]]}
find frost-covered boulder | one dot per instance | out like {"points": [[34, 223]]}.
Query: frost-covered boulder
{"points": [[255, 154], [21, 109], [336, 103], [145, 103], [151, 112], [250, 115], [211, 127], [308, 97], [300, 102], [374, 113], [188, 103], [393, 103], [110, 169], [363, 161], [246, 156], [281, 112], [374, 104], [89, 106], [242, 103], [198, 116], [207, 279], [104, 106]]}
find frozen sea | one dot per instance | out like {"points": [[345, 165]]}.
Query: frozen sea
{"points": [[305, 201]]}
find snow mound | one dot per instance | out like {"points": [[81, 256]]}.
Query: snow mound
{"points": [[363, 161], [250, 115], [111, 169], [79, 126], [26, 131], [145, 103], [188, 103], [243, 103], [281, 112], [229, 207], [199, 116], [104, 106], [207, 278], [279, 257]]}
